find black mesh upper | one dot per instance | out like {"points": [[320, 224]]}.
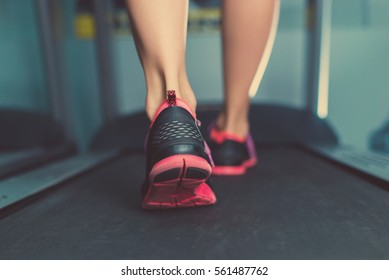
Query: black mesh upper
{"points": [[229, 153], [174, 132]]}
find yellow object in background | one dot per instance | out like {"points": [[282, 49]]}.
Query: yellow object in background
{"points": [[85, 27], [204, 20]]}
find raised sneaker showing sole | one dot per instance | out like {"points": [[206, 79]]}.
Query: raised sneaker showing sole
{"points": [[178, 160]]}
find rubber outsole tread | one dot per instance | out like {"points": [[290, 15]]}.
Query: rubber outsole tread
{"points": [[179, 182]]}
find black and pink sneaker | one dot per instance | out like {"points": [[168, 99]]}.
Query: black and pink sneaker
{"points": [[232, 154], [178, 159]]}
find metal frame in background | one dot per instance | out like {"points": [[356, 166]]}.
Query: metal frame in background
{"points": [[318, 69], [105, 62], [318, 66], [59, 100], [22, 185]]}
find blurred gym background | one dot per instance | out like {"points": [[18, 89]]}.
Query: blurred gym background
{"points": [[358, 102]]}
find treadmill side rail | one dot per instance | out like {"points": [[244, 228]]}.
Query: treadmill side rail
{"points": [[371, 163], [15, 162], [22, 186]]}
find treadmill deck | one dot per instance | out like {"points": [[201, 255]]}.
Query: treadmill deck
{"points": [[292, 205]]}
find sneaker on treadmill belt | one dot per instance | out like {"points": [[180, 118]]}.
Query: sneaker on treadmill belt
{"points": [[178, 162], [232, 154]]}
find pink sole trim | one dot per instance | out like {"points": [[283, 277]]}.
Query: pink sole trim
{"points": [[181, 191], [234, 170]]}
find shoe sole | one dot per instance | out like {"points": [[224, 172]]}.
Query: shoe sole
{"points": [[179, 181], [234, 170]]}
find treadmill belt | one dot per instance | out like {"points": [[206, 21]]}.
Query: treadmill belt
{"points": [[293, 205]]}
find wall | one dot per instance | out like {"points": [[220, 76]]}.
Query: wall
{"points": [[359, 86], [22, 83]]}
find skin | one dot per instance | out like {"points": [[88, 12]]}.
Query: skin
{"points": [[160, 31]]}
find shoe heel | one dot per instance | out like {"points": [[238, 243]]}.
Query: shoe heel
{"points": [[179, 181], [183, 168]]}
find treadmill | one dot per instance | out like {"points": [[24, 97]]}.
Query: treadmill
{"points": [[308, 198], [295, 204]]}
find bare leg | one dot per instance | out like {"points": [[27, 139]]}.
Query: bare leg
{"points": [[160, 28], [247, 27]]}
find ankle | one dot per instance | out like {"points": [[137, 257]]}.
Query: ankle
{"points": [[237, 125], [160, 78], [155, 99]]}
